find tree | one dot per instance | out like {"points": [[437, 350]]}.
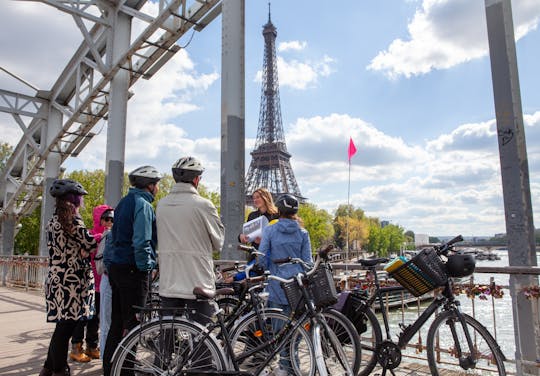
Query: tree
{"points": [[5, 152], [27, 239], [318, 222], [351, 220]]}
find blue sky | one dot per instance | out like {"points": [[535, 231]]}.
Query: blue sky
{"points": [[409, 81]]}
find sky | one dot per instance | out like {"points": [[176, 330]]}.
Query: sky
{"points": [[409, 81]]}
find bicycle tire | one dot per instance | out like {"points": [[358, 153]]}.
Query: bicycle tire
{"points": [[228, 304], [491, 360], [160, 346], [248, 334], [370, 333], [349, 342]]}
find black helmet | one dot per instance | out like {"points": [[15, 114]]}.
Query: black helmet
{"points": [[287, 204], [460, 265], [61, 187], [142, 176], [186, 169]]}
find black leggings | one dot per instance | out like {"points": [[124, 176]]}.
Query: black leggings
{"points": [[58, 347]]}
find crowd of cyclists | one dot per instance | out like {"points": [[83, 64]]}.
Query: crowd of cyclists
{"points": [[87, 288]]}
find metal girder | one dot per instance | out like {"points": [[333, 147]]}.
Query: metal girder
{"points": [[82, 89]]}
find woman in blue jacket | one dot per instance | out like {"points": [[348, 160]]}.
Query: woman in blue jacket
{"points": [[284, 239]]}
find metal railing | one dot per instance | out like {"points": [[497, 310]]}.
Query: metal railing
{"points": [[29, 272]]}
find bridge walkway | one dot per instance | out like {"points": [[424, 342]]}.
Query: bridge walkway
{"points": [[25, 336]]}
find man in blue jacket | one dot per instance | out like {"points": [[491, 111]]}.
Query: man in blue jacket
{"points": [[132, 255]]}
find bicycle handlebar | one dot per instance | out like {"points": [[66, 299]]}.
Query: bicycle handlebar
{"points": [[444, 248]]}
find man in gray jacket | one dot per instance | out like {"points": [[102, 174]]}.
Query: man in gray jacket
{"points": [[189, 230]]}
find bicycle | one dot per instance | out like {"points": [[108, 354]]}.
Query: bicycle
{"points": [[471, 348], [174, 345]]}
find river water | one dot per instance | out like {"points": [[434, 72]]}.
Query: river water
{"points": [[494, 313]]}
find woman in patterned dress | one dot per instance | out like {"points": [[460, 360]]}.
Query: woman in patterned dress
{"points": [[69, 288]]}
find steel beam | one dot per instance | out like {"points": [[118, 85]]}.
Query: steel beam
{"points": [[232, 125], [515, 180]]}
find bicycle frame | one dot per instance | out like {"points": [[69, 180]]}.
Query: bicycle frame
{"points": [[445, 299]]}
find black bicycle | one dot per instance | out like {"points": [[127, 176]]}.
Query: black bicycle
{"points": [[457, 343]]}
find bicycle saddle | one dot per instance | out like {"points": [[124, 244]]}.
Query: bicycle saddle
{"points": [[202, 292], [372, 262]]}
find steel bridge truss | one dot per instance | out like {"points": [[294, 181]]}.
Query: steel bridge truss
{"points": [[81, 92]]}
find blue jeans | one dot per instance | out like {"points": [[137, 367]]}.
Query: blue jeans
{"points": [[284, 361], [105, 310]]}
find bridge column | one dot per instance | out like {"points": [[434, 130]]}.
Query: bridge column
{"points": [[51, 173], [515, 181], [117, 44], [232, 125]]}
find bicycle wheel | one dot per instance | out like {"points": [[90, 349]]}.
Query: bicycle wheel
{"points": [[255, 330], [369, 330], [347, 340], [228, 304], [446, 335], [167, 346]]}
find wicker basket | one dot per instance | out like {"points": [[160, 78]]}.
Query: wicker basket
{"points": [[423, 273], [320, 286]]}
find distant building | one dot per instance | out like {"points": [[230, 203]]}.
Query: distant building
{"points": [[499, 236], [421, 239], [384, 224]]}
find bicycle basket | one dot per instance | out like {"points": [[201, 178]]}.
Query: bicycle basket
{"points": [[320, 285], [422, 274]]}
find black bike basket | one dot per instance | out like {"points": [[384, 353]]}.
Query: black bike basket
{"points": [[423, 273], [320, 285]]}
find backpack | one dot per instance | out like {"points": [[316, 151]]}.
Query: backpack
{"points": [[98, 258]]}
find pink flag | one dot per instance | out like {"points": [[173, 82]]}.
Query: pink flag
{"points": [[352, 149]]}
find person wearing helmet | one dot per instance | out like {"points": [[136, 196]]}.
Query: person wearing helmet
{"points": [[69, 287], [284, 239], [189, 230], [131, 255]]}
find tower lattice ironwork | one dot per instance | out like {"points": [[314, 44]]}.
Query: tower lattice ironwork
{"points": [[270, 165]]}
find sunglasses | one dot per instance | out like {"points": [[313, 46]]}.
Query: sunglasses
{"points": [[108, 219]]}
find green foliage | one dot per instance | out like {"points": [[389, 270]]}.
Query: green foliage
{"points": [[318, 222], [353, 221], [27, 239], [383, 241], [5, 152], [434, 240], [211, 195]]}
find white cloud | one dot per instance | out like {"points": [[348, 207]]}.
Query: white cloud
{"points": [[445, 33], [294, 45], [300, 74]]}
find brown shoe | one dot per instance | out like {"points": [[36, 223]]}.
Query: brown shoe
{"points": [[92, 352], [78, 355]]}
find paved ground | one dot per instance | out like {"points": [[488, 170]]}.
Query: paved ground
{"points": [[25, 336]]}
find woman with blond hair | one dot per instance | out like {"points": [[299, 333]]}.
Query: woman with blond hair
{"points": [[264, 205]]}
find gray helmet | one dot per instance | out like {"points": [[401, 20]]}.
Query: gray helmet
{"points": [[61, 187], [142, 176], [186, 169], [287, 204]]}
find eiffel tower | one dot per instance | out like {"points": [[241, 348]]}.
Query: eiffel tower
{"points": [[270, 167]]}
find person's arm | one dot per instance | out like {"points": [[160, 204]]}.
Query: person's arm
{"points": [[214, 227], [142, 236], [86, 241], [264, 247], [306, 247]]}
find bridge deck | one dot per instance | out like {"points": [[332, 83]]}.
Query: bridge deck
{"points": [[25, 336]]}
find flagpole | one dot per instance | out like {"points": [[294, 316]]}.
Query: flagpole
{"points": [[348, 216]]}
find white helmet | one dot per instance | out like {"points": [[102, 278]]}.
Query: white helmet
{"points": [[186, 169], [142, 176]]}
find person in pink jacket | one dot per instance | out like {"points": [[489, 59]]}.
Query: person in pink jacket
{"points": [[103, 220]]}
